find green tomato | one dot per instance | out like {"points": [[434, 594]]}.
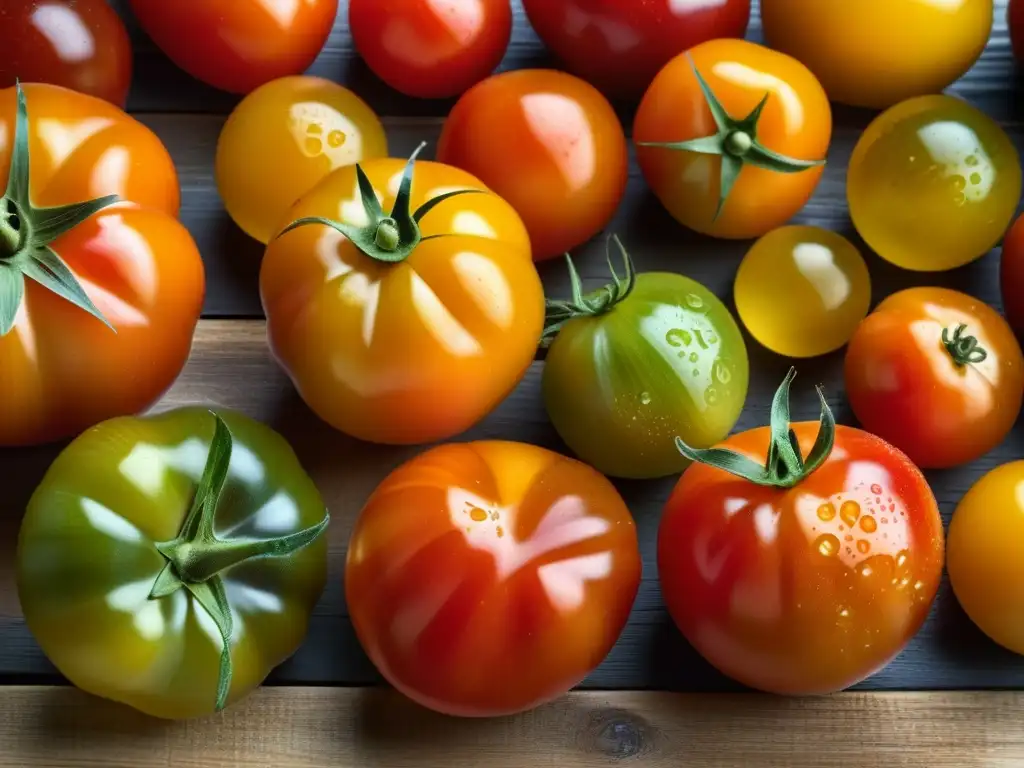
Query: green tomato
{"points": [[170, 562], [639, 363]]}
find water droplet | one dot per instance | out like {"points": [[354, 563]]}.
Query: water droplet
{"points": [[885, 521], [495, 515], [722, 373], [826, 512], [918, 586], [959, 182], [336, 138], [971, 160], [975, 178], [499, 531], [842, 527], [827, 544], [863, 546], [901, 558], [678, 337], [694, 357], [848, 537], [712, 338], [959, 198], [314, 146], [849, 512], [694, 300], [645, 398], [844, 612], [695, 372], [876, 489], [865, 569], [314, 129], [710, 395], [476, 514]]}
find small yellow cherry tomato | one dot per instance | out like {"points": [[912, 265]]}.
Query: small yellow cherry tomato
{"points": [[801, 291]]}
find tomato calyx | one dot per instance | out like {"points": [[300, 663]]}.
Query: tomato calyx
{"points": [[735, 142], [784, 465], [963, 349], [197, 558], [27, 232]]}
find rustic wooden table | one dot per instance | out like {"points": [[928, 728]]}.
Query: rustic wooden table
{"points": [[653, 700]]}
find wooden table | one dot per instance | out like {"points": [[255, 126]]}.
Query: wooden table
{"points": [[938, 704]]}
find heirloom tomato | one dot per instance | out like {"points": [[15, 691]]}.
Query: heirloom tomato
{"points": [[800, 558], [98, 299], [170, 562], [410, 326], [801, 291], [431, 49], [1015, 20], [875, 53], [634, 365], [547, 142], [1011, 276], [933, 183], [731, 136], [282, 139], [486, 578], [238, 45], [938, 374], [78, 44], [619, 45]]}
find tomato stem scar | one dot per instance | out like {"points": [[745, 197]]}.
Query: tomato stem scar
{"points": [[963, 349]]}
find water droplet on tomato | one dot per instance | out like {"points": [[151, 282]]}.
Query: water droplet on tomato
{"points": [[694, 300], [499, 531], [868, 524], [865, 569], [848, 537], [971, 160], [645, 398], [885, 521], [314, 129], [313, 146], [901, 558], [336, 138], [477, 515], [876, 489], [722, 372], [844, 612], [826, 512], [711, 396], [863, 546], [849, 512], [827, 544], [712, 338]]}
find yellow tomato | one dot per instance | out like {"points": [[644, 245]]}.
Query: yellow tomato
{"points": [[875, 53], [282, 139]]}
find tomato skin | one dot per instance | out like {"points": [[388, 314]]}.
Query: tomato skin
{"points": [[875, 53], [238, 45], [547, 142], [796, 121], [486, 578], [77, 44], [428, 49], [775, 588], [1015, 20], [619, 45], [1011, 276]]}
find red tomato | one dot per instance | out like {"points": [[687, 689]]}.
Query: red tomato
{"points": [[1011, 276], [619, 45], [238, 45], [488, 578], [432, 49], [1015, 18], [79, 44], [813, 576]]}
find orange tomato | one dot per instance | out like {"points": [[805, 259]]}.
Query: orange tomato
{"points": [[487, 578], [727, 185]]}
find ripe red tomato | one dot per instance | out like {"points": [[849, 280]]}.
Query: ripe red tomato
{"points": [[1011, 276], [79, 44], [806, 572], [1015, 19], [487, 578], [432, 49], [619, 45], [238, 45]]}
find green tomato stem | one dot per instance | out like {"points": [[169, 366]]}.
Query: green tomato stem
{"points": [[963, 349], [387, 236], [738, 143], [12, 231]]}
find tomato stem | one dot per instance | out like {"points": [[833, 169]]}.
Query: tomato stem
{"points": [[738, 143], [12, 232], [387, 237], [963, 349]]}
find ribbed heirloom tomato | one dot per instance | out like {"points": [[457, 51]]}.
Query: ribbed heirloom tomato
{"points": [[797, 562], [487, 578]]}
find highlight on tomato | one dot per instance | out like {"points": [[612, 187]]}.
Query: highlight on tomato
{"points": [[875, 53], [732, 136], [408, 326], [238, 45], [933, 184], [281, 140], [1011, 276], [487, 578], [431, 50], [637, 363], [620, 45], [548, 143], [800, 558], [77, 44], [938, 374], [100, 285], [170, 562]]}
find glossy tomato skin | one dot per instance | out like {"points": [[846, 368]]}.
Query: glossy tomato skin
{"points": [[64, 370], [933, 183], [619, 45], [1015, 19], [547, 142], [78, 44], [1011, 276], [807, 590], [905, 387], [669, 361], [300, 129], [875, 53], [796, 121], [238, 45], [411, 352], [486, 578], [431, 49]]}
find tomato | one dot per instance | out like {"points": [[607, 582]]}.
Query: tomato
{"points": [[1011, 276], [619, 45], [282, 139], [170, 562], [98, 299], [731, 136], [801, 291], [402, 327], [800, 567], [634, 365], [238, 45], [79, 44], [487, 578], [875, 53], [933, 184], [1015, 20], [429, 48], [548, 143]]}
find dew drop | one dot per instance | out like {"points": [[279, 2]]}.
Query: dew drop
{"points": [[336, 138], [712, 338], [865, 569], [826, 512], [477, 515], [314, 129], [876, 489], [918, 586], [314, 146], [844, 612], [694, 357], [849, 512], [848, 537], [885, 521], [959, 182], [722, 373], [645, 398], [827, 544], [971, 160], [901, 558], [696, 372], [863, 546], [711, 396], [975, 178], [679, 337], [694, 300], [499, 531], [495, 515]]}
